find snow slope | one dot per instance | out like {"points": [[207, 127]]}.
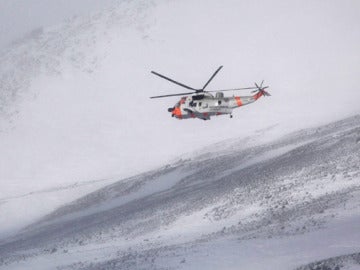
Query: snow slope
{"points": [[74, 96], [279, 205], [74, 108], [19, 18]]}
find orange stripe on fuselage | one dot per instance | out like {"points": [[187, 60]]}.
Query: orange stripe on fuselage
{"points": [[258, 95], [238, 101], [177, 112]]}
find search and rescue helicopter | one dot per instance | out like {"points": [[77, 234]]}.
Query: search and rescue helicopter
{"points": [[202, 104]]}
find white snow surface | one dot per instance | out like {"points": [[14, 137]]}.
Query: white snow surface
{"points": [[74, 103], [75, 113], [78, 102], [294, 203]]}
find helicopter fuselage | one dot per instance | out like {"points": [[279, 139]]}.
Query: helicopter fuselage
{"points": [[205, 106], [202, 104]]}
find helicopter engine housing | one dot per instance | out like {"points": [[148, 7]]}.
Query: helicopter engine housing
{"points": [[219, 95]]}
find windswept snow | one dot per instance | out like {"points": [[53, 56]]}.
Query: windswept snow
{"points": [[74, 99], [297, 203], [137, 191], [76, 125], [20, 211]]}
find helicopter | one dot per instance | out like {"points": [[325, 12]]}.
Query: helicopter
{"points": [[202, 104]]}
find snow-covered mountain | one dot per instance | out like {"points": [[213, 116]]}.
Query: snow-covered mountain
{"points": [[74, 97], [74, 109], [278, 205]]}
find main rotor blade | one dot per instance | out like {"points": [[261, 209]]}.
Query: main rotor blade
{"points": [[206, 84], [233, 89], [171, 80], [173, 95]]}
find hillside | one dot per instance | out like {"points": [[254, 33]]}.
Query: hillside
{"points": [[83, 180], [279, 205], [74, 99]]}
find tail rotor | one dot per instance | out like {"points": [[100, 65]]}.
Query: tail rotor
{"points": [[261, 89]]}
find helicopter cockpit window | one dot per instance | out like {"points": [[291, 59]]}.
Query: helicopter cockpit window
{"points": [[199, 104]]}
